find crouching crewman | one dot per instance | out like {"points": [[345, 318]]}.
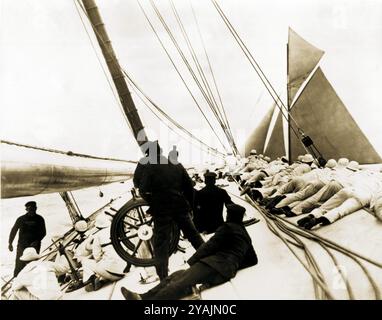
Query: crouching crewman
{"points": [[38, 279]]}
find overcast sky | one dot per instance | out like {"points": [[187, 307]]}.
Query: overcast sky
{"points": [[53, 92]]}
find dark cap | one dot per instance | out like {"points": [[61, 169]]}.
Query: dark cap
{"points": [[210, 174], [31, 204], [235, 213]]}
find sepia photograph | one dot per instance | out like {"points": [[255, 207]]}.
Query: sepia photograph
{"points": [[211, 150]]}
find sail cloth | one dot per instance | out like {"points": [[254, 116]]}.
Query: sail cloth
{"points": [[302, 59], [257, 139], [276, 147], [29, 172], [322, 115]]}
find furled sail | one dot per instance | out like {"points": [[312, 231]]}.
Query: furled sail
{"points": [[276, 147], [257, 139], [302, 59], [323, 116], [46, 172]]}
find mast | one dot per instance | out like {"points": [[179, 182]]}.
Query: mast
{"points": [[288, 107], [115, 71]]}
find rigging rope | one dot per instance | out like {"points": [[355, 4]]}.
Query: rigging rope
{"points": [[212, 102], [317, 278], [212, 72], [330, 244], [188, 66], [298, 130], [325, 243], [252, 61], [178, 72], [137, 89], [68, 153], [129, 78], [352, 255]]}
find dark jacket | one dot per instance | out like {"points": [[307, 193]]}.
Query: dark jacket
{"points": [[208, 214], [167, 187], [229, 250], [31, 230], [138, 173]]}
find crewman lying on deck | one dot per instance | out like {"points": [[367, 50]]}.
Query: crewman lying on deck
{"points": [[84, 249], [340, 177], [214, 263], [346, 201], [376, 204], [255, 163], [105, 265], [267, 171], [38, 279], [231, 162], [281, 178], [241, 163], [302, 187]]}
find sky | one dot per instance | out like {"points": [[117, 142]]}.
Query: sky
{"points": [[54, 94]]}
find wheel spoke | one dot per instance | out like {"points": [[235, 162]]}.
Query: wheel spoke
{"points": [[141, 215], [128, 237], [147, 222], [130, 225], [150, 247], [137, 246], [132, 218]]}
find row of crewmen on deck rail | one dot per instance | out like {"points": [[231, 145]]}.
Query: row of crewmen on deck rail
{"points": [[327, 194]]}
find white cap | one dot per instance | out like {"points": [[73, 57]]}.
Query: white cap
{"points": [[307, 158], [300, 157], [353, 165], [331, 164], [343, 162]]}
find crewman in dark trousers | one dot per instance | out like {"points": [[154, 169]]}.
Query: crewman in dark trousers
{"points": [[208, 214], [214, 263], [168, 190], [31, 228]]}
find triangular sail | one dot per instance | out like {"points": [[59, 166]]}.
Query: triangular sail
{"points": [[302, 59], [257, 139], [276, 147], [322, 115]]}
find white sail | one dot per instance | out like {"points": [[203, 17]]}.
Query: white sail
{"points": [[302, 59], [323, 116], [257, 139], [276, 147]]}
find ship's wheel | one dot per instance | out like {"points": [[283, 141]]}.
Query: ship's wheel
{"points": [[132, 234]]}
